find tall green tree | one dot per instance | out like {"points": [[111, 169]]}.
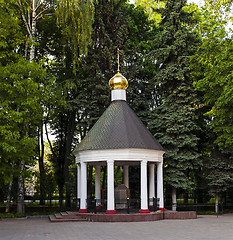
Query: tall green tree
{"points": [[214, 60], [174, 122], [212, 70], [109, 33], [123, 26], [21, 88], [66, 44], [139, 67], [20, 113], [32, 12]]}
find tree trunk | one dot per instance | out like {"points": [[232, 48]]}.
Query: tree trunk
{"points": [[174, 203], [8, 198], [61, 191], [20, 202], [69, 139], [33, 32], [216, 202], [41, 166]]}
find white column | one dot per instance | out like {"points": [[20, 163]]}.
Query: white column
{"points": [[151, 183], [144, 198], [126, 175], [97, 184], [83, 204], [160, 185], [78, 180], [110, 188]]}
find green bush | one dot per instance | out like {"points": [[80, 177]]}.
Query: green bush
{"points": [[10, 215]]}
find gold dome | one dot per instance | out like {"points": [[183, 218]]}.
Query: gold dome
{"points": [[118, 81]]}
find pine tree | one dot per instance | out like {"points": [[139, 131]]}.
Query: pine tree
{"points": [[109, 34], [139, 67], [174, 120], [118, 25]]}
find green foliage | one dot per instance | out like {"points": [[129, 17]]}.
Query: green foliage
{"points": [[219, 171], [109, 33], [211, 21], [49, 184], [11, 33], [176, 45], [22, 88], [174, 122], [151, 7], [215, 59], [20, 94], [77, 42], [139, 65], [212, 69], [118, 24], [175, 128], [76, 18], [11, 215]]}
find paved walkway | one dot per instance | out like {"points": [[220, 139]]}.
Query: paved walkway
{"points": [[41, 229]]}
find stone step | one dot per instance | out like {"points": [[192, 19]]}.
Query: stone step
{"points": [[58, 215], [67, 215], [70, 213], [59, 218]]}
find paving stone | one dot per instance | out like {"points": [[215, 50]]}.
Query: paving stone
{"points": [[207, 228]]}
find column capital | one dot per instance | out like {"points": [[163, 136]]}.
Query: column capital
{"points": [[83, 163], [110, 161], [144, 162]]}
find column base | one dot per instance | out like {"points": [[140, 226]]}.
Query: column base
{"points": [[82, 211], [144, 211], [110, 212], [162, 209]]}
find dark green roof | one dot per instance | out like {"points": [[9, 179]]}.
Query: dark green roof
{"points": [[118, 127]]}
